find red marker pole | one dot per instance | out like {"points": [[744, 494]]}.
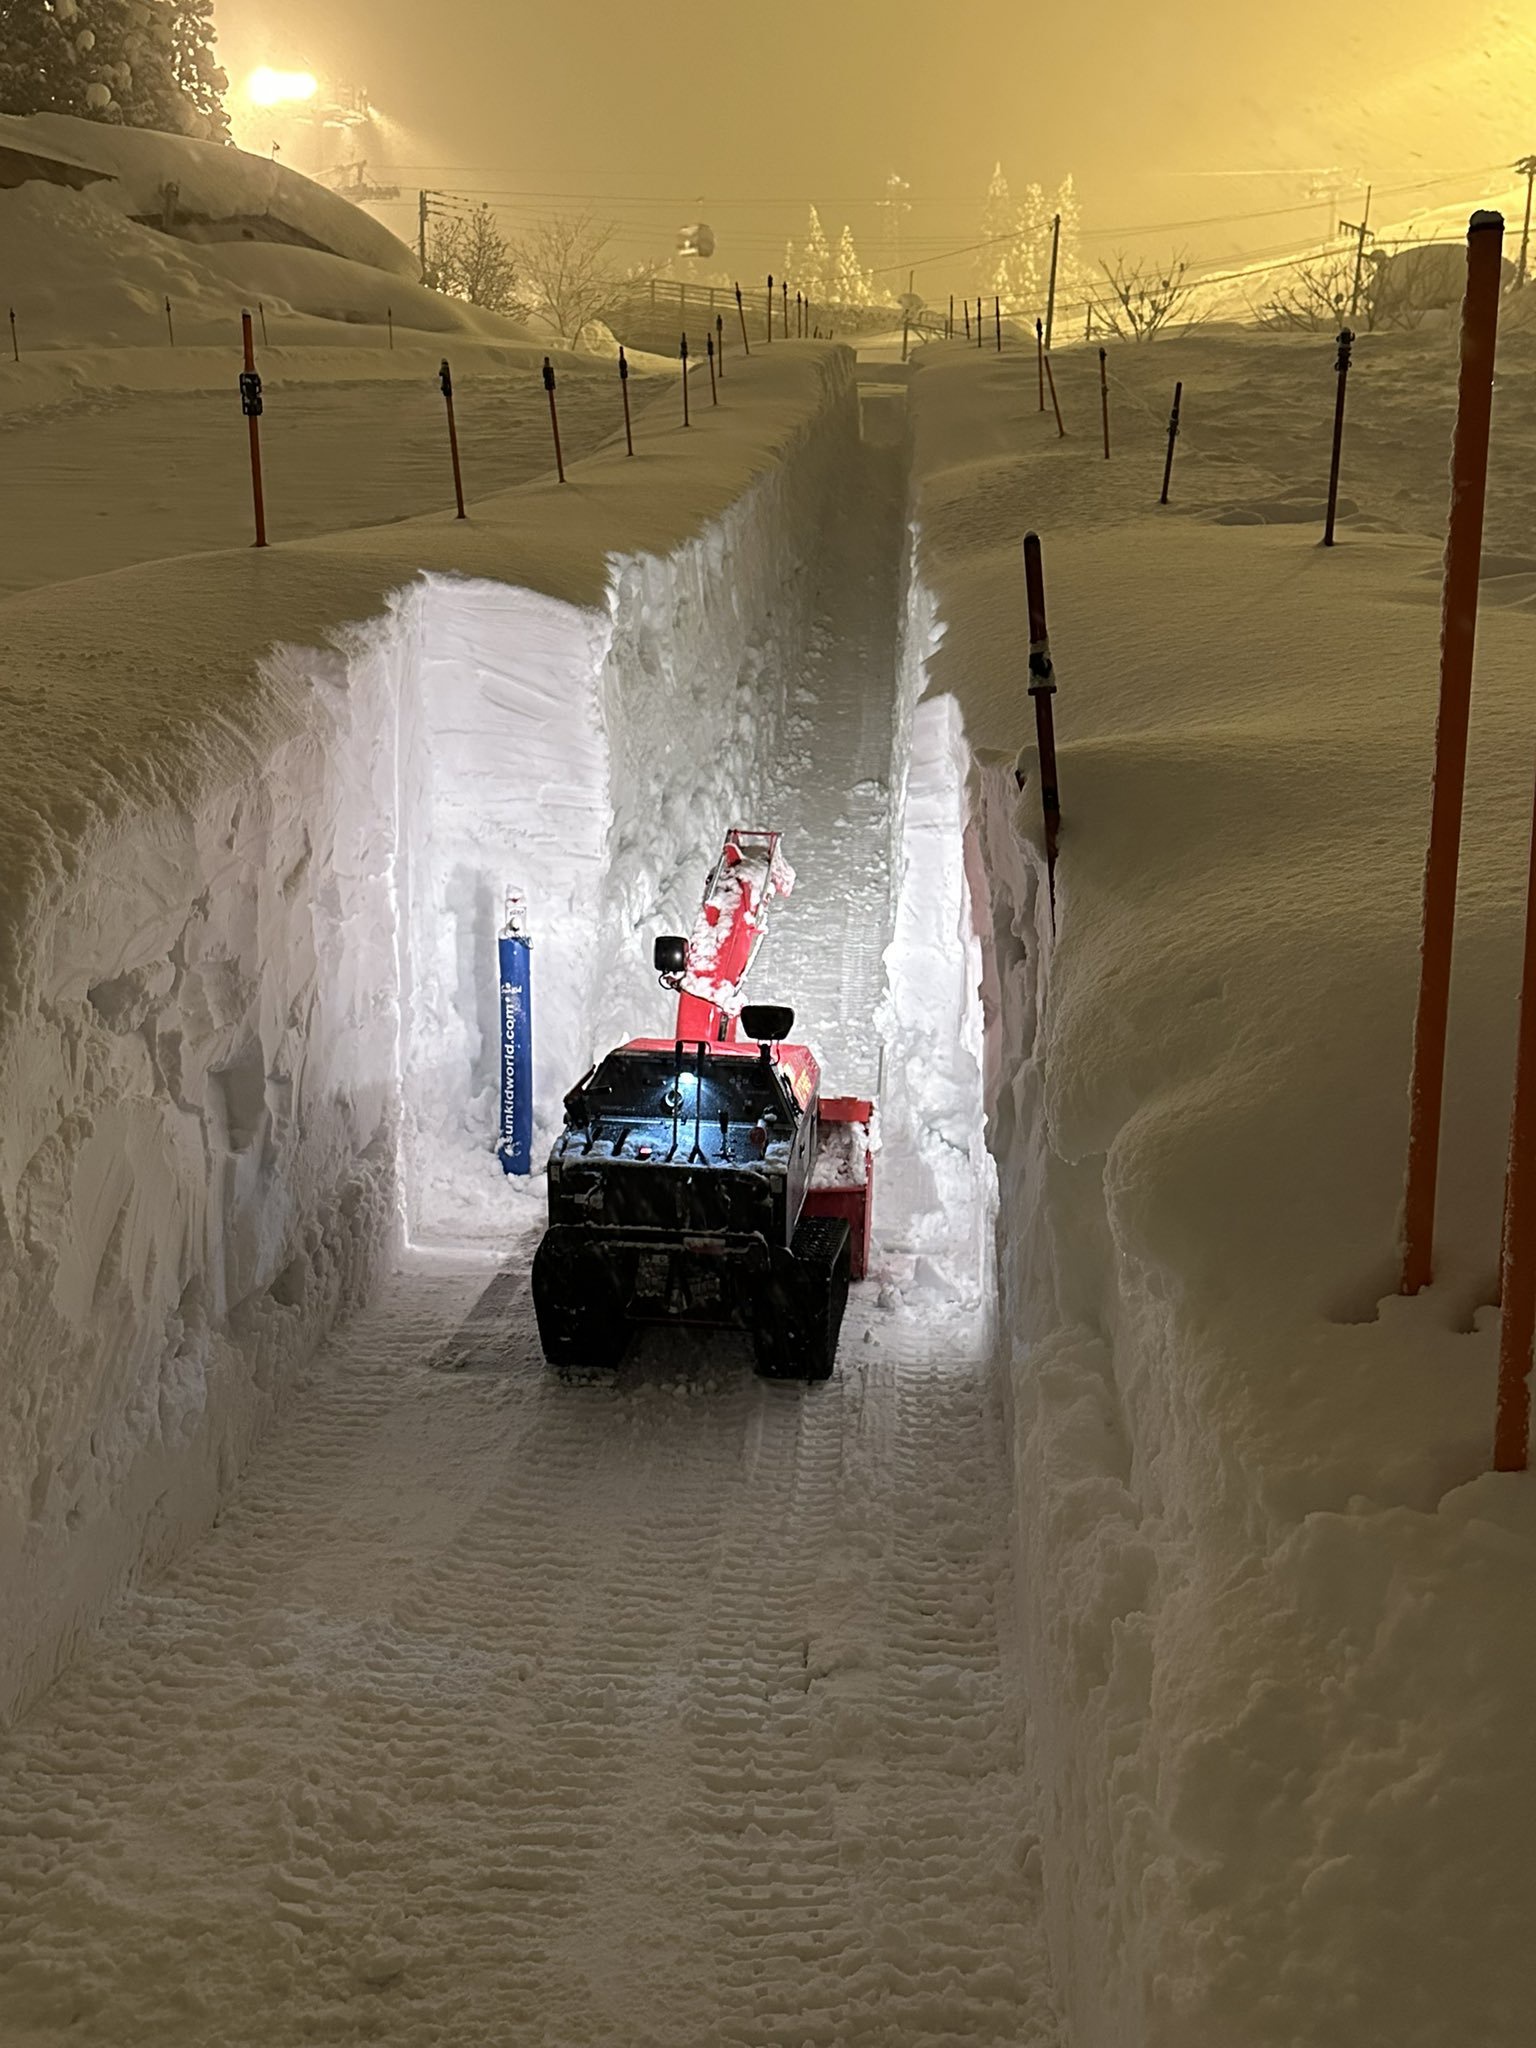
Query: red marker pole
{"points": [[250, 405], [741, 314], [1458, 631], [709, 350], [720, 343], [170, 326], [1040, 358], [1042, 687], [554, 417], [1346, 343], [629, 436], [1104, 397], [1173, 435], [683, 353], [445, 381]]}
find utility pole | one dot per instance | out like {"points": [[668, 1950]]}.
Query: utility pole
{"points": [[421, 230], [1050, 302], [1361, 229], [1527, 169]]}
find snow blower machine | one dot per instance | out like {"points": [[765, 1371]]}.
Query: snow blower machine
{"points": [[703, 1178]]}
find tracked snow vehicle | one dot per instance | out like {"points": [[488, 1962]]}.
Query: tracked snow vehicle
{"points": [[703, 1178]]}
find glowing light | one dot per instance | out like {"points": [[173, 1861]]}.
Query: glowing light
{"points": [[269, 88]]}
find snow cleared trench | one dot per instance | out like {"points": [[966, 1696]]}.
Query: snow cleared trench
{"points": [[231, 1023]]}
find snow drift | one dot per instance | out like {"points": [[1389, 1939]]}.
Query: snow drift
{"points": [[1275, 1612], [249, 899]]}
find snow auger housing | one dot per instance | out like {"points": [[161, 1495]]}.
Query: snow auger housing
{"points": [[703, 1178]]}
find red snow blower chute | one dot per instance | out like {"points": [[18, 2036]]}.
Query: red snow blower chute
{"points": [[703, 1178]]}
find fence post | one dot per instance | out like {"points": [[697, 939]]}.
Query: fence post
{"points": [[445, 381], [997, 321], [261, 309], [741, 315], [949, 331], [714, 389], [1042, 688], [1050, 300], [1040, 357], [250, 405], [389, 316], [784, 287], [683, 353], [169, 324], [1458, 632], [770, 305], [1050, 378], [15, 344], [720, 343], [1104, 397], [1346, 343], [967, 319], [554, 417], [1173, 435], [629, 436]]}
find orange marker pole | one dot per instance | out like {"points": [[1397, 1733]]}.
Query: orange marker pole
{"points": [[997, 321], [741, 314], [170, 326], [1458, 631], [250, 405], [629, 433], [445, 380], [389, 315], [1050, 378], [1173, 435], [720, 343], [949, 331], [15, 345], [1517, 1294], [784, 286], [770, 305], [1040, 358], [709, 350], [683, 354], [981, 331], [1104, 397], [967, 311], [554, 417]]}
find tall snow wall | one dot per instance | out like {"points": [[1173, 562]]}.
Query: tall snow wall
{"points": [[247, 1009]]}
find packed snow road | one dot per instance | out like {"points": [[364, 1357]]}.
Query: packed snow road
{"points": [[668, 1709], [137, 477]]}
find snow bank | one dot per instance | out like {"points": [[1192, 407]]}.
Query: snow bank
{"points": [[1278, 1628], [245, 934]]}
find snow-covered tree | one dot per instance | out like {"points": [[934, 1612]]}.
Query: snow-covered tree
{"points": [[141, 63], [1007, 263], [850, 285], [472, 259], [812, 268]]}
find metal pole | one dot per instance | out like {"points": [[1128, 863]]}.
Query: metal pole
{"points": [[997, 321], [15, 344], [445, 381], [250, 405], [741, 315], [683, 352], [1361, 230], [629, 436], [1040, 358], [389, 315], [967, 319], [1173, 435], [709, 350], [1346, 343], [981, 332], [169, 324], [1527, 164], [720, 342], [1104, 396], [770, 305], [421, 231], [554, 417], [1050, 378], [1458, 632], [1042, 687], [1517, 1293], [1050, 297]]}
